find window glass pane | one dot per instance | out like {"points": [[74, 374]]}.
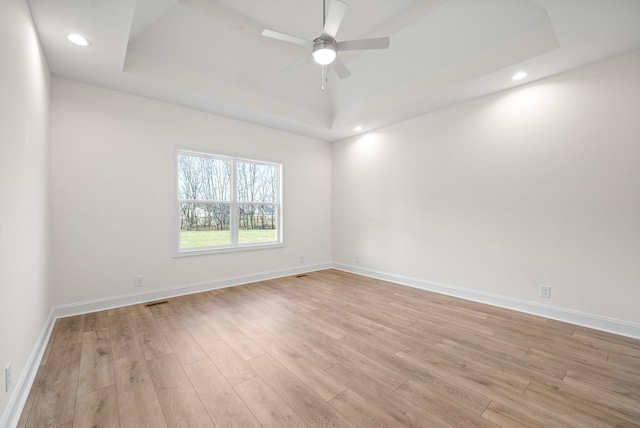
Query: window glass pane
{"points": [[204, 178], [257, 223], [257, 182], [204, 225]]}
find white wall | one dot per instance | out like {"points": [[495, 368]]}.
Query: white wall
{"points": [[113, 197], [536, 185], [24, 192]]}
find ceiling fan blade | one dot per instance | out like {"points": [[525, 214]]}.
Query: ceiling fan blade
{"points": [[341, 70], [297, 63], [336, 12], [287, 38], [364, 44]]}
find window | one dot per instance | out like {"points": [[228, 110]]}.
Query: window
{"points": [[227, 203]]}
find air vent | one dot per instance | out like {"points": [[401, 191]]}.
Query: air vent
{"points": [[156, 303], [300, 276]]}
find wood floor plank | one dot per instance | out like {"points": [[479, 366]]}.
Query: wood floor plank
{"points": [[330, 329], [213, 389], [152, 341], [312, 408], [179, 401], [97, 409], [277, 323], [573, 350], [138, 404], [314, 354], [184, 312], [234, 368], [407, 338], [619, 404], [140, 309], [123, 336], [237, 340], [241, 322], [96, 321], [160, 309], [96, 364], [346, 319], [526, 370], [69, 331], [402, 411], [55, 399], [628, 387], [580, 410], [324, 385], [183, 344], [625, 362], [267, 406], [508, 418], [485, 373], [442, 367], [382, 372], [446, 410], [116, 312], [362, 412]]}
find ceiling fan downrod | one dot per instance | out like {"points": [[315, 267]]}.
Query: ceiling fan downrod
{"points": [[324, 13]]}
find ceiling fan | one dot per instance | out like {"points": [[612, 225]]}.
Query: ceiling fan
{"points": [[325, 48]]}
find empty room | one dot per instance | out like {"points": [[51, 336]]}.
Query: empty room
{"points": [[319, 213]]}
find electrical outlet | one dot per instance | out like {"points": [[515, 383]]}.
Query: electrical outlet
{"points": [[357, 260], [545, 291], [138, 281], [301, 259], [7, 378]]}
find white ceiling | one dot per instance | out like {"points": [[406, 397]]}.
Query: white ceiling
{"points": [[209, 54]]}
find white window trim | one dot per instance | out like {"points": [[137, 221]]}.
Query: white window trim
{"points": [[197, 251]]}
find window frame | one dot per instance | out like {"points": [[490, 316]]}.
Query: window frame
{"points": [[233, 203]]}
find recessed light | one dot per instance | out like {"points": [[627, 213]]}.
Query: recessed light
{"points": [[358, 128], [519, 76], [77, 39]]}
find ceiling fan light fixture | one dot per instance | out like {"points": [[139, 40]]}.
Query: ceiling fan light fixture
{"points": [[519, 76], [324, 51], [79, 40]]}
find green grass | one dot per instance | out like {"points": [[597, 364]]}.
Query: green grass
{"points": [[258, 235], [207, 238]]}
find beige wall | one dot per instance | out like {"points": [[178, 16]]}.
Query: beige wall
{"points": [[113, 193], [24, 193], [536, 185]]}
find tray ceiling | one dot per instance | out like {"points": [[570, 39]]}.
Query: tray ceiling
{"points": [[210, 55]]}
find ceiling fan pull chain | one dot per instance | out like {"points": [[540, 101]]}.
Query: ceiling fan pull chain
{"points": [[322, 77]]}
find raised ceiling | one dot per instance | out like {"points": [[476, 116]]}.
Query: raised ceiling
{"points": [[209, 54]]}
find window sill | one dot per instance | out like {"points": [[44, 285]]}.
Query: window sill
{"points": [[220, 250]]}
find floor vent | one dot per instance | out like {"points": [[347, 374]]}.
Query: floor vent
{"points": [[156, 303], [300, 276]]}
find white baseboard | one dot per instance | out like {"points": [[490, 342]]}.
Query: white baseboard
{"points": [[622, 328], [180, 290], [17, 401]]}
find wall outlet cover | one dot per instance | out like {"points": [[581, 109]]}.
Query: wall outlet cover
{"points": [[7, 378], [545, 291]]}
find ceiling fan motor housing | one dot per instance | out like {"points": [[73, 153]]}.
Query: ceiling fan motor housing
{"points": [[324, 50]]}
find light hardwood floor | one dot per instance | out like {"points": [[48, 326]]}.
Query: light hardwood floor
{"points": [[330, 349]]}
